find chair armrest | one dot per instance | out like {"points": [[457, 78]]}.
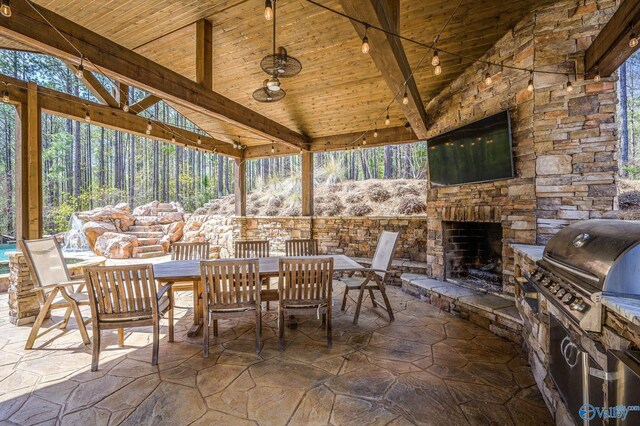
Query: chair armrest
{"points": [[371, 270], [163, 290]]}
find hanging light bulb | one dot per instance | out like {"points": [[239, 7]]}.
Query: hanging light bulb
{"points": [[365, 40], [80, 69], [405, 98], [125, 107], [633, 40], [268, 10], [530, 83], [199, 140], [215, 150], [375, 133], [300, 151], [435, 61], [273, 84], [148, 131], [5, 94], [5, 8], [569, 87], [487, 79], [597, 77], [273, 149], [364, 140], [87, 117], [387, 121], [437, 70], [173, 139]]}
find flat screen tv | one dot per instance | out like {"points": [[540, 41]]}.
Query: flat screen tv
{"points": [[478, 152]]}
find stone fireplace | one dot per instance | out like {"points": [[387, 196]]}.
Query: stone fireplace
{"points": [[473, 253]]}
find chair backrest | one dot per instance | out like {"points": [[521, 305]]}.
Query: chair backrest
{"points": [[45, 260], [252, 249], [301, 247], [121, 292], [384, 252], [190, 251], [302, 279], [230, 282]]}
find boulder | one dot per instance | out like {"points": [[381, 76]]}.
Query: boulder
{"points": [[113, 245], [174, 231], [106, 214], [94, 229], [168, 217]]}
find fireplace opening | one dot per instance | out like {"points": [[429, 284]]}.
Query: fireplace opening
{"points": [[473, 254]]}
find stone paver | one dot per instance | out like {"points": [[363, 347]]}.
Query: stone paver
{"points": [[428, 367]]}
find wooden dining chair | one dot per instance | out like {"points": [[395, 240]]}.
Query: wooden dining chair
{"points": [[231, 289], [301, 247], [51, 280], [189, 251], [305, 287], [126, 296], [249, 249], [373, 278]]}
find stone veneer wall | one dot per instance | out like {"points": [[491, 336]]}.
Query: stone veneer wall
{"points": [[564, 143]]}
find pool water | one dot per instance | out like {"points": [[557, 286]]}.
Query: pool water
{"points": [[4, 249], [7, 248]]}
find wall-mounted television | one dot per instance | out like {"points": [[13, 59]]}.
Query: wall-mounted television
{"points": [[478, 152]]}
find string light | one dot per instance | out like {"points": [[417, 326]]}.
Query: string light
{"points": [[375, 133], [405, 98], [173, 139], [87, 117], [364, 140], [365, 40], [215, 150], [387, 121], [437, 70], [80, 69], [273, 149], [5, 9], [597, 77], [487, 79], [199, 140], [633, 39], [148, 131], [530, 84], [435, 61], [125, 107], [569, 87], [5, 94], [268, 10]]}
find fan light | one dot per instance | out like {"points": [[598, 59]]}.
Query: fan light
{"points": [[281, 64], [273, 84]]}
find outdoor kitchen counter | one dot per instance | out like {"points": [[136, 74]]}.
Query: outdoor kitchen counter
{"points": [[532, 252], [627, 308]]}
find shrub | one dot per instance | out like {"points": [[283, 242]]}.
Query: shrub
{"points": [[411, 205], [629, 200], [408, 190], [275, 202], [271, 211], [353, 198], [254, 211], [254, 196], [378, 194], [360, 210], [331, 206], [293, 211]]}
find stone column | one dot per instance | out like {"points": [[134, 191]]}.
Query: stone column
{"points": [[23, 301]]}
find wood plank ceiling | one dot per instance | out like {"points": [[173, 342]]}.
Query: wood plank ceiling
{"points": [[339, 90]]}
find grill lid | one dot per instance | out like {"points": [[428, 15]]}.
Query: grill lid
{"points": [[601, 255]]}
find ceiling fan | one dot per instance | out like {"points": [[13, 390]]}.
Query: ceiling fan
{"points": [[277, 65]]}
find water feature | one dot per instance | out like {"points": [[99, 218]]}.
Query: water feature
{"points": [[75, 239]]}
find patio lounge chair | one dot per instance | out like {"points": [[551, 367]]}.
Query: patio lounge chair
{"points": [[374, 277], [51, 280]]}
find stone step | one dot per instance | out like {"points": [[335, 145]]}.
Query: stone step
{"points": [[149, 254], [147, 249], [145, 228], [151, 234], [148, 241]]}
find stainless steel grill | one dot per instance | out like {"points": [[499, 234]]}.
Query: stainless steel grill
{"points": [[586, 260]]}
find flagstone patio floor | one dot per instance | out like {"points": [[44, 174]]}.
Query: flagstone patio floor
{"points": [[427, 367]]}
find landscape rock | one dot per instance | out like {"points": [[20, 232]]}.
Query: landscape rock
{"points": [[93, 230], [114, 245]]}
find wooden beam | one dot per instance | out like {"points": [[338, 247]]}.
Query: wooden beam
{"points": [[30, 27], [386, 136], [389, 56], [204, 53], [64, 105], [143, 104], [307, 184], [611, 47], [29, 166], [94, 86], [123, 95], [240, 186]]}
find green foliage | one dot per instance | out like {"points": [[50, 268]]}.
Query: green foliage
{"points": [[632, 170]]}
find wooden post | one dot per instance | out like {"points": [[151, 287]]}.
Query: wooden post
{"points": [[240, 187], [204, 53], [29, 167], [307, 183]]}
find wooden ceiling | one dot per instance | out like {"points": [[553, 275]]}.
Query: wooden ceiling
{"points": [[339, 90]]}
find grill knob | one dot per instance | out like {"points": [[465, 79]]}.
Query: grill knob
{"points": [[578, 305], [561, 292], [546, 282]]}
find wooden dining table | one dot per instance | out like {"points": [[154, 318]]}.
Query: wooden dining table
{"points": [[268, 267]]}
